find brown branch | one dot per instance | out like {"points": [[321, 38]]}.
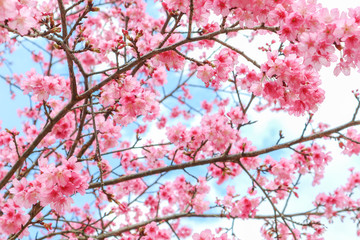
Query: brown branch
{"points": [[85, 147], [276, 210], [168, 17], [133, 147], [151, 54], [189, 215], [177, 87], [357, 107], [188, 58], [83, 15], [190, 18], [238, 51], [33, 212], [63, 18], [171, 31], [225, 158], [81, 125], [73, 86], [36, 141]]}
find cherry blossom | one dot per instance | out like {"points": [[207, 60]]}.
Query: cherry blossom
{"points": [[145, 118]]}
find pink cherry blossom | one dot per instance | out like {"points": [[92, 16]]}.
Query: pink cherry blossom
{"points": [[144, 118]]}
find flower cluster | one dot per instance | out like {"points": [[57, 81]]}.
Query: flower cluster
{"points": [[42, 87], [352, 145], [54, 186], [132, 100], [13, 218], [291, 84]]}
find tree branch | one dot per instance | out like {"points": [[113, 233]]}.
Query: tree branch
{"points": [[225, 158]]}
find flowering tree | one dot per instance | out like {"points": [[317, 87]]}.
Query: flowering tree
{"points": [[139, 110]]}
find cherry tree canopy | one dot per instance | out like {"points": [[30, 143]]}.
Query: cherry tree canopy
{"points": [[140, 117]]}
